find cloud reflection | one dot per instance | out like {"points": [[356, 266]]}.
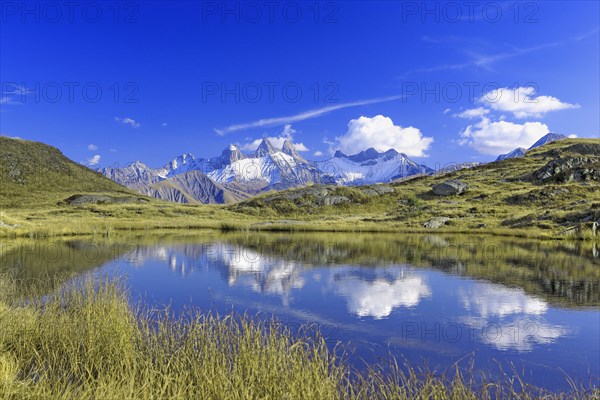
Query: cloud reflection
{"points": [[378, 295], [508, 318]]}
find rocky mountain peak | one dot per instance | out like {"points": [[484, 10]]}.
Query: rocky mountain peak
{"points": [[289, 148], [265, 148], [232, 154], [365, 155]]}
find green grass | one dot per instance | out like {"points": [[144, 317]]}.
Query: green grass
{"points": [[35, 175], [84, 341]]}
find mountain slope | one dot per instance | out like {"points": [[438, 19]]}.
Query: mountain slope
{"points": [[190, 187], [553, 189], [548, 138], [520, 151], [35, 174]]}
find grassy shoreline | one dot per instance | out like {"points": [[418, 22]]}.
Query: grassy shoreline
{"points": [[81, 221], [86, 341]]}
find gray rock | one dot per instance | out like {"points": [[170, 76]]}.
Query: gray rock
{"points": [[570, 169], [3, 225], [332, 200], [450, 187], [436, 222], [81, 199], [376, 190]]}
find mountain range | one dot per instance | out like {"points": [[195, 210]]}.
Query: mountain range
{"points": [[234, 175]]}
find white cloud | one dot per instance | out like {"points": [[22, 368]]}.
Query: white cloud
{"points": [[113, 150], [473, 113], [92, 147], [94, 160], [318, 153], [447, 110], [501, 136], [164, 124], [128, 121], [523, 103], [304, 115], [380, 133], [277, 141]]}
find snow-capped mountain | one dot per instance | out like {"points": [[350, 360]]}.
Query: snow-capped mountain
{"points": [[234, 175], [370, 166], [135, 176], [520, 151]]}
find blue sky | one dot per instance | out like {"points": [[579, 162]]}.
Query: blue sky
{"points": [[442, 81]]}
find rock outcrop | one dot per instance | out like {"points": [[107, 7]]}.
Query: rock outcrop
{"points": [[436, 223], [569, 169], [450, 187]]}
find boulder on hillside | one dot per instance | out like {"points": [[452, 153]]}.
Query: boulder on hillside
{"points": [[81, 199], [436, 222], [450, 187]]}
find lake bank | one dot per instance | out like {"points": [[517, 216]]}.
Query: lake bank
{"points": [[87, 342], [105, 220]]}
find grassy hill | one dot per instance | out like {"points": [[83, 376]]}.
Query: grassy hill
{"points": [[552, 192], [553, 188], [34, 175]]}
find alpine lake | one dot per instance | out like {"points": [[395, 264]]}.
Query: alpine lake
{"points": [[488, 304]]}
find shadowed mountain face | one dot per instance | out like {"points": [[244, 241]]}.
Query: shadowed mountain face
{"points": [[191, 187], [234, 175]]}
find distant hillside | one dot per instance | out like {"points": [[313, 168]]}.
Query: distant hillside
{"points": [[34, 174], [553, 188]]}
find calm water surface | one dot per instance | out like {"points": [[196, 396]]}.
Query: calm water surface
{"points": [[435, 300]]}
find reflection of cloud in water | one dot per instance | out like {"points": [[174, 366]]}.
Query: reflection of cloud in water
{"points": [[497, 323], [490, 299], [379, 291], [522, 338], [514, 334]]}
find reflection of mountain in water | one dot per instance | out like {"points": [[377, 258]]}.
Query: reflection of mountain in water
{"points": [[369, 291], [561, 273], [236, 264]]}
